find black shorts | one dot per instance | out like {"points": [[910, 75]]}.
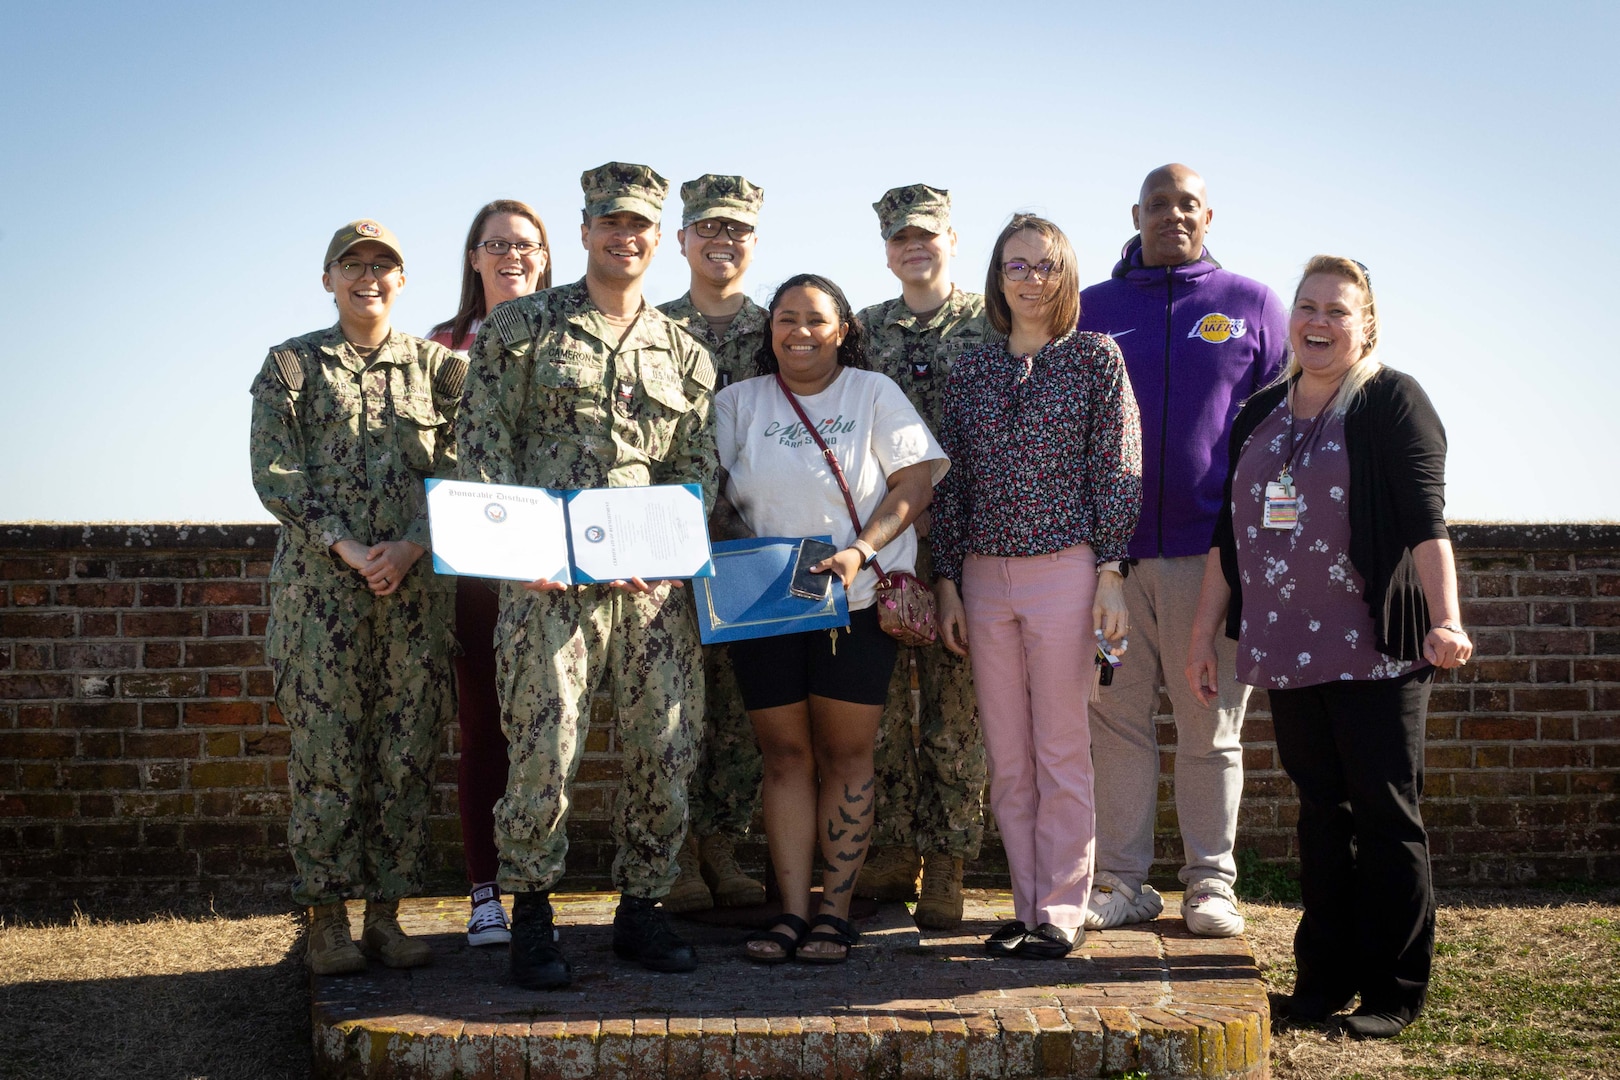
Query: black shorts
{"points": [[775, 671]]}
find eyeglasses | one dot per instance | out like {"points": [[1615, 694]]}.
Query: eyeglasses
{"points": [[501, 247], [1019, 270], [709, 228], [355, 269]]}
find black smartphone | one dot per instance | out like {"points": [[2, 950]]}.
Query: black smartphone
{"points": [[804, 583]]}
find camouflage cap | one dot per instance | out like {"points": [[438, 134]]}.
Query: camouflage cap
{"points": [[619, 186], [722, 197], [915, 204], [358, 232]]}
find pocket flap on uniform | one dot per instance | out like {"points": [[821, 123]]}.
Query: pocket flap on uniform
{"points": [[418, 410], [327, 404], [569, 375]]}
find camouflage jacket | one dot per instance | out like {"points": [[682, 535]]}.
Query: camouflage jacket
{"points": [[735, 356], [920, 358], [340, 447], [551, 403]]}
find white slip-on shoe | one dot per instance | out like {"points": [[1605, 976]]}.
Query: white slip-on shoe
{"points": [[1113, 903], [1210, 909]]}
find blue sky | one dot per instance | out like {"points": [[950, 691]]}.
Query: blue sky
{"points": [[171, 173]]}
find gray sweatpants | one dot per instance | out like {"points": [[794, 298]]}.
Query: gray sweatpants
{"points": [[1162, 595]]}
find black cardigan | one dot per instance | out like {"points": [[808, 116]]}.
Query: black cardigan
{"points": [[1397, 451]]}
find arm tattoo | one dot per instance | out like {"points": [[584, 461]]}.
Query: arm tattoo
{"points": [[879, 531]]}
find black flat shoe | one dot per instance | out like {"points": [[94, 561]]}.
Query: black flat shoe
{"points": [[788, 945], [1005, 941], [1375, 1025], [1049, 942], [1308, 1007], [828, 928]]}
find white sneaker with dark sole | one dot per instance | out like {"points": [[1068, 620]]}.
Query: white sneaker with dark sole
{"points": [[1113, 903], [488, 924], [1209, 907]]}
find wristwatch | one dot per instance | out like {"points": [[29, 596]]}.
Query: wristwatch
{"points": [[1118, 566], [867, 551]]}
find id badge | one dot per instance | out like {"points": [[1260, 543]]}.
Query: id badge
{"points": [[1281, 508]]}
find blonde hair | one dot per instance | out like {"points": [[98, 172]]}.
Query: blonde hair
{"points": [[1367, 365]]}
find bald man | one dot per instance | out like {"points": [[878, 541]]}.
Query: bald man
{"points": [[1197, 340]]}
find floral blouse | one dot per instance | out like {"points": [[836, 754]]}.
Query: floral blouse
{"points": [[1046, 453], [1304, 619]]}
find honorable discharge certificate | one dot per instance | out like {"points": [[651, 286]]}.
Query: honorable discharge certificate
{"points": [[592, 535]]}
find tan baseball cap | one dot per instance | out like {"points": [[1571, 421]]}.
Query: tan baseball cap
{"points": [[915, 204], [621, 186], [358, 232]]}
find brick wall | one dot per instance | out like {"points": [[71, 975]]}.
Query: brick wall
{"points": [[140, 756]]}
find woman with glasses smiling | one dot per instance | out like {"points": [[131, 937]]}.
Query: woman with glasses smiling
{"points": [[506, 257], [1030, 527], [347, 423]]}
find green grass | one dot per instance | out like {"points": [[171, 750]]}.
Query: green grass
{"points": [[1526, 986], [1269, 882]]}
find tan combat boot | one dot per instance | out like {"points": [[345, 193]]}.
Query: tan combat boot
{"points": [[940, 907], [717, 856], [330, 950], [890, 873], [382, 939], [689, 893]]}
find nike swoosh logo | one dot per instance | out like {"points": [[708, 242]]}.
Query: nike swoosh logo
{"points": [[1121, 333]]}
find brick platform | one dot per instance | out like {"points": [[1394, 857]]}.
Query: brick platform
{"points": [[906, 1005]]}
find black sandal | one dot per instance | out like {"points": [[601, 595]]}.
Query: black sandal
{"points": [[829, 928], [788, 945]]}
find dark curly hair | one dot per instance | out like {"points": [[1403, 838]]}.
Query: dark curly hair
{"points": [[852, 353]]}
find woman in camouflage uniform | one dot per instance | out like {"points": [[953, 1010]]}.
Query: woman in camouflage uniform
{"points": [[347, 422]]}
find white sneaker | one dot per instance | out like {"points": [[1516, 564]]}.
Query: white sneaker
{"points": [[1210, 909], [488, 924], [1113, 903]]}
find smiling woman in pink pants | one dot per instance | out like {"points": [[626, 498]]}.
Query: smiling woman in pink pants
{"points": [[1030, 529]]}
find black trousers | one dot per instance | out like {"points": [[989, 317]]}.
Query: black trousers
{"points": [[1355, 752]]}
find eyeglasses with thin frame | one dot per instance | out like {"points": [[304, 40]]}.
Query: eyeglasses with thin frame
{"points": [[501, 247], [1019, 270], [355, 269], [709, 228]]}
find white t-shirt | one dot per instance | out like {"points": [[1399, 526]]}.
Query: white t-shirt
{"points": [[780, 483]]}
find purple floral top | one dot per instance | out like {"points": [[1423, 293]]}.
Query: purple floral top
{"points": [[1304, 619], [1046, 453]]}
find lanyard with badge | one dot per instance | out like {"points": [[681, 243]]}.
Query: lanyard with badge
{"points": [[1281, 507]]}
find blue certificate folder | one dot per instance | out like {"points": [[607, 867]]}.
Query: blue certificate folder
{"points": [[748, 597]]}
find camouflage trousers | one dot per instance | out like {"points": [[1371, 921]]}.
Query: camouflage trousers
{"points": [[930, 792], [365, 687], [726, 786], [553, 652]]}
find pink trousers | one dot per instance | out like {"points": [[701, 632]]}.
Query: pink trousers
{"points": [[1031, 640]]}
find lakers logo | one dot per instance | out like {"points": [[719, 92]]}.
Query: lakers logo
{"points": [[1216, 328]]}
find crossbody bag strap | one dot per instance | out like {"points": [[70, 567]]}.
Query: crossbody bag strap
{"points": [[832, 463]]}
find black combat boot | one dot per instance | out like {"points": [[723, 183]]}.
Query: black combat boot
{"points": [[537, 963], [641, 932]]}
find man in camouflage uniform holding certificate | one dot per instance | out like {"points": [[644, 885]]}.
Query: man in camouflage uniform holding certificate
{"points": [[718, 218], [585, 386], [930, 791], [347, 423]]}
